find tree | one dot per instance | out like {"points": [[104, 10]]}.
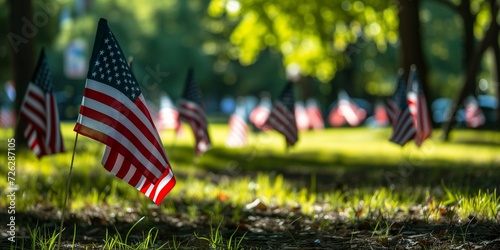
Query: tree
{"points": [[411, 41], [21, 38], [313, 34], [473, 58]]}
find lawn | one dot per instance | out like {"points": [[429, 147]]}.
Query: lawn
{"points": [[337, 188]]}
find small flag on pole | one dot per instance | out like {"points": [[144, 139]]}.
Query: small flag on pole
{"points": [[259, 114], [474, 117], [114, 112], [380, 114], [393, 103], [238, 128], [316, 121], [191, 111], [168, 116], [353, 114], [7, 117], [418, 108], [282, 117], [403, 129], [346, 111], [39, 110], [301, 117]]}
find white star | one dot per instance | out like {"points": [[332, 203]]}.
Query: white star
{"points": [[105, 59], [100, 69], [108, 71], [115, 68], [118, 82], [101, 52], [113, 61], [109, 79], [133, 95], [126, 88], [106, 40], [94, 74], [102, 76], [112, 53], [107, 65], [97, 63]]}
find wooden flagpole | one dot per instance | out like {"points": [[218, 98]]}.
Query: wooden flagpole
{"points": [[67, 194]]}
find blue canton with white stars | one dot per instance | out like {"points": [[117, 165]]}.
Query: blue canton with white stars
{"points": [[287, 97], [42, 77], [110, 66], [192, 91], [400, 94]]}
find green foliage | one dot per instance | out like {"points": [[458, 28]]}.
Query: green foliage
{"points": [[313, 35], [216, 239], [42, 238]]}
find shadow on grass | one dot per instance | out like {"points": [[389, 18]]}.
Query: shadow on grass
{"points": [[339, 170]]}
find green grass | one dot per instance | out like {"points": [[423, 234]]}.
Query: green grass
{"points": [[353, 172]]}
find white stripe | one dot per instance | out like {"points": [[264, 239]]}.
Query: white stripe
{"points": [[162, 184], [131, 173], [35, 105]]}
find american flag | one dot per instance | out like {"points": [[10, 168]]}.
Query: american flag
{"points": [[238, 128], [393, 103], [191, 111], [474, 117], [403, 129], [7, 117], [301, 118], [259, 114], [168, 116], [282, 117], [352, 114], [418, 108], [381, 116], [335, 118], [39, 111], [314, 113], [114, 112]]}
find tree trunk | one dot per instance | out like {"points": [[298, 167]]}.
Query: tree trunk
{"points": [[468, 22], [469, 85], [21, 37], [496, 73], [411, 42]]}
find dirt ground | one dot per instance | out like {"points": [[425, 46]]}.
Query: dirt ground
{"points": [[265, 227]]}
